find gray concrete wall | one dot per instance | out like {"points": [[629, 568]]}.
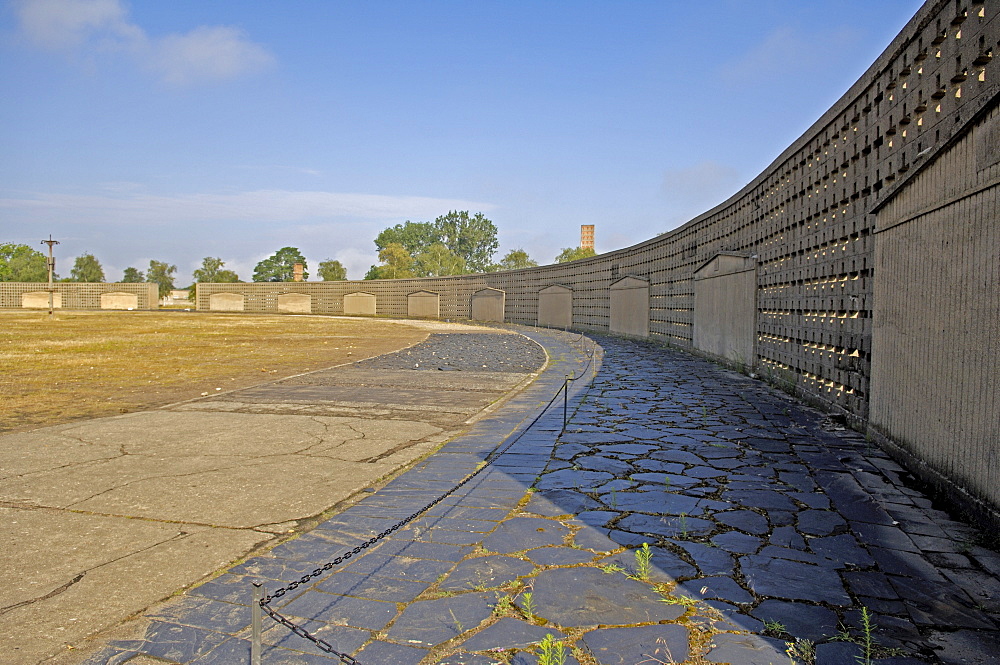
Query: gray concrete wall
{"points": [[488, 305], [360, 303], [629, 307], [41, 300], [423, 305], [935, 388], [119, 300], [555, 306], [725, 309], [227, 302], [295, 303]]}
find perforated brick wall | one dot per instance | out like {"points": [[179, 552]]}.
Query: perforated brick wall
{"points": [[79, 295], [806, 219]]}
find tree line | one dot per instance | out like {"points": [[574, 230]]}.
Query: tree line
{"points": [[21, 263], [456, 243]]}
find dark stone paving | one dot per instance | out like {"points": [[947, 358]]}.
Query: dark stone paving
{"points": [[772, 537]]}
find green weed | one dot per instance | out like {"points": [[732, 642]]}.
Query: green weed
{"points": [[683, 522], [801, 652], [504, 606], [643, 567], [867, 643], [551, 651], [528, 604], [458, 624], [774, 628]]}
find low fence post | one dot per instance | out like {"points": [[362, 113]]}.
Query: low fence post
{"points": [[258, 595], [565, 402]]}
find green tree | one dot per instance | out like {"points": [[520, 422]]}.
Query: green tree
{"points": [[133, 276], [516, 259], [438, 261], [575, 254], [415, 237], [211, 272], [86, 268], [396, 263], [472, 238], [161, 274], [332, 271], [21, 263], [280, 266]]}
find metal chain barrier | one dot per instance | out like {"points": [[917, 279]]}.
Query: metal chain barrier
{"points": [[323, 645]]}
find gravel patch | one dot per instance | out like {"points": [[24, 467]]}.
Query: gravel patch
{"points": [[469, 352]]}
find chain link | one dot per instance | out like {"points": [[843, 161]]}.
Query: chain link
{"points": [[322, 644]]}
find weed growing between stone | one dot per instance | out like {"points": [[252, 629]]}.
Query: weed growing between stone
{"points": [[551, 651], [870, 649], [458, 624], [773, 628], [527, 604], [656, 658], [683, 526], [505, 606], [867, 626], [643, 567], [801, 652]]}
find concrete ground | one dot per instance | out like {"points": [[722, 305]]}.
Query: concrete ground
{"points": [[103, 518], [687, 514]]}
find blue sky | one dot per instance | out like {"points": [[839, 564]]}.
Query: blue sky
{"points": [[184, 129]]}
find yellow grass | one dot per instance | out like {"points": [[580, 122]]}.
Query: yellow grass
{"points": [[88, 364]]}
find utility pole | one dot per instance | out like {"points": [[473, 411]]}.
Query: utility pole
{"points": [[52, 269]]}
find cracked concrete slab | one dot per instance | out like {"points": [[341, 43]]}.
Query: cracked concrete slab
{"points": [[101, 519]]}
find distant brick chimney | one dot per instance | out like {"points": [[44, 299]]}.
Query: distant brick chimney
{"points": [[587, 236], [297, 272]]}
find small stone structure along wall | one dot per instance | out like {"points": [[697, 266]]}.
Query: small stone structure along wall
{"points": [[935, 367], [359, 303], [629, 307], [119, 300], [423, 305], [79, 295], [555, 306], [40, 300], [488, 305], [725, 308], [227, 302], [295, 303]]}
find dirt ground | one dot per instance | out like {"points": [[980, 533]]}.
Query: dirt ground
{"points": [[79, 365]]}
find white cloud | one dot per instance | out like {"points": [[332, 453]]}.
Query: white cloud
{"points": [[208, 53], [257, 206], [356, 261], [786, 51], [62, 24], [86, 27], [124, 225]]}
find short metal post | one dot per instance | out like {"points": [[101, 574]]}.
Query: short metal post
{"points": [[565, 401], [258, 595]]}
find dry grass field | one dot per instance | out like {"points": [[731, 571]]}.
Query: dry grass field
{"points": [[89, 364]]}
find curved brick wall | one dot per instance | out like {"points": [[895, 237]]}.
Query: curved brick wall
{"points": [[861, 267], [807, 219]]}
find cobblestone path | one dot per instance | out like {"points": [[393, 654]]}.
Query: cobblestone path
{"points": [[688, 513]]}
